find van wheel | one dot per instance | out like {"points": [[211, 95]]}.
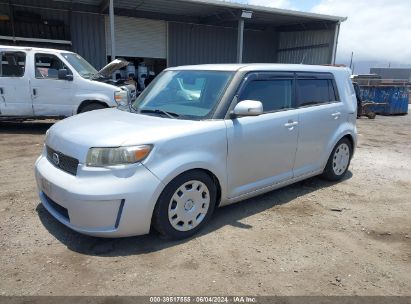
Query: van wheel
{"points": [[339, 161], [185, 205], [91, 107]]}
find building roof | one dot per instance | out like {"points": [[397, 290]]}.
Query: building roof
{"points": [[211, 11]]}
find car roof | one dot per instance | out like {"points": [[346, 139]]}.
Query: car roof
{"points": [[29, 48], [248, 67]]}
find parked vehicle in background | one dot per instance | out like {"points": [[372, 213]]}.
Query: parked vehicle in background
{"points": [[358, 97], [197, 138], [45, 83]]}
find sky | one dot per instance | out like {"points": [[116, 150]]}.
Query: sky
{"points": [[377, 31]]}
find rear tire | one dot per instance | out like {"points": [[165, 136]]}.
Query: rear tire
{"points": [[185, 205], [339, 161], [91, 107], [371, 115]]}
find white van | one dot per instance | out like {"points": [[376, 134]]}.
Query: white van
{"points": [[46, 83]]}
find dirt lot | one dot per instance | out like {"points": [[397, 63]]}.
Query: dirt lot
{"points": [[287, 242]]}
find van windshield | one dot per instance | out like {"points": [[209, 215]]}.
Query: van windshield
{"points": [[183, 94], [82, 67]]}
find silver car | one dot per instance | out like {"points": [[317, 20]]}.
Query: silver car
{"points": [[199, 137]]}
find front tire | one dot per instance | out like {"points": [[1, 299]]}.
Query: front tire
{"points": [[185, 205], [339, 161]]}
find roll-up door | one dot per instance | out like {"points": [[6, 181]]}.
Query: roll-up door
{"points": [[135, 37]]}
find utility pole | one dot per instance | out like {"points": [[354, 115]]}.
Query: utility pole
{"points": [[352, 55]]}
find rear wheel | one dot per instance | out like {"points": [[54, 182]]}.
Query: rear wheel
{"points": [[91, 107], [339, 161], [185, 205], [371, 115]]}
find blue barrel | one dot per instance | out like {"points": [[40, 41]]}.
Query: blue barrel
{"points": [[395, 97]]}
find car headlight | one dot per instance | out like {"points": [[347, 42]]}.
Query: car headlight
{"points": [[121, 97], [102, 157]]}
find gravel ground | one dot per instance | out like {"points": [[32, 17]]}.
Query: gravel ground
{"points": [[311, 238]]}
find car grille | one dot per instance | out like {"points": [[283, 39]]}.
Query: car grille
{"points": [[62, 161]]}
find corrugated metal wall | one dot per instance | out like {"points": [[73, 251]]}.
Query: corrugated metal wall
{"points": [[137, 37], [86, 33], [308, 47], [260, 46], [88, 37], [199, 44]]}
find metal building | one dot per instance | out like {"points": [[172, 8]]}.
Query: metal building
{"points": [[169, 33], [393, 73]]}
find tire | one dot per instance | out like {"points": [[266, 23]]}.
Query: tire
{"points": [[339, 161], [371, 115], [91, 107], [185, 205]]}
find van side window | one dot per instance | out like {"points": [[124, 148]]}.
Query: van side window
{"points": [[12, 64], [315, 91], [274, 94], [48, 65]]}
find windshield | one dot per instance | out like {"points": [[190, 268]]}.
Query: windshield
{"points": [[183, 94], [82, 67]]}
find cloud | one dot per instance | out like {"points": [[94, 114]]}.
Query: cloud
{"points": [[378, 30]]}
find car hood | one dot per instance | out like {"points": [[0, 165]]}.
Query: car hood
{"points": [[74, 136], [113, 66]]}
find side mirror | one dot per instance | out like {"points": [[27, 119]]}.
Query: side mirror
{"points": [[63, 75], [247, 108]]}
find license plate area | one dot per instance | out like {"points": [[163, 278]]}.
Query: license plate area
{"points": [[46, 186]]}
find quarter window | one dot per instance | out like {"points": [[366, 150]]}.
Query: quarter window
{"points": [[274, 94], [315, 91], [12, 64], [47, 66]]}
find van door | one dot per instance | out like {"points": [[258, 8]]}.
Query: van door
{"points": [[321, 113], [261, 149], [51, 96], [15, 97]]}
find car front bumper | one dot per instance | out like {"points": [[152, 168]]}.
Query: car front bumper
{"points": [[104, 202]]}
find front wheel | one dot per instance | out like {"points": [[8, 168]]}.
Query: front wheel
{"points": [[339, 161], [185, 205]]}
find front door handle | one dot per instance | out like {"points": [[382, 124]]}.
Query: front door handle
{"points": [[34, 92], [1, 91], [336, 115], [291, 124]]}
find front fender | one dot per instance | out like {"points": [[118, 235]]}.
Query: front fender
{"points": [[100, 97], [206, 151]]}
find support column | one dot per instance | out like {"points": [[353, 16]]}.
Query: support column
{"points": [[335, 44], [112, 37], [240, 40]]}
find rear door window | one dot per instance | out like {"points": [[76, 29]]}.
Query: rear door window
{"points": [[315, 91], [12, 64]]}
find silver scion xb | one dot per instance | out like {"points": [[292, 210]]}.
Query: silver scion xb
{"points": [[197, 138]]}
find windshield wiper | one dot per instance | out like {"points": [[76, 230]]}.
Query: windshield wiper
{"points": [[158, 111]]}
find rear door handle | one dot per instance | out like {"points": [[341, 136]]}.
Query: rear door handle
{"points": [[336, 115], [291, 124], [34, 92], [1, 91]]}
